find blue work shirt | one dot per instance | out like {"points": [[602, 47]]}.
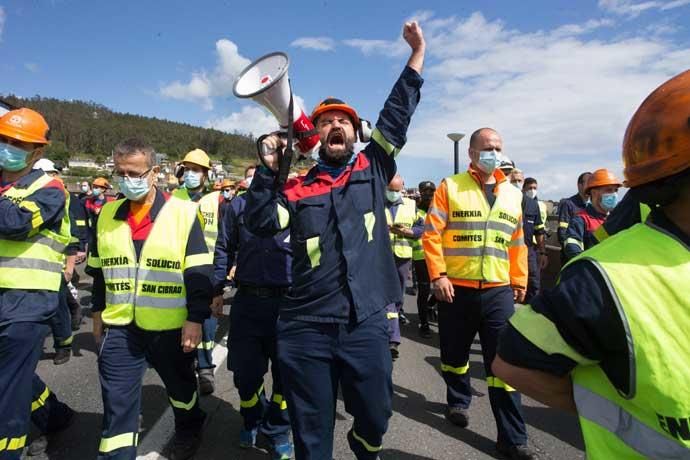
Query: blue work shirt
{"points": [[16, 222], [566, 211], [531, 220], [343, 268], [579, 237], [261, 261]]}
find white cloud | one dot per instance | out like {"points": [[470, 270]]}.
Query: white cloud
{"points": [[31, 67], [315, 43], [633, 8], [203, 86], [250, 120], [2, 20], [560, 99]]}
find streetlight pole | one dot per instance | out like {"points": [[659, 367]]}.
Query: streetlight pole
{"points": [[456, 137]]}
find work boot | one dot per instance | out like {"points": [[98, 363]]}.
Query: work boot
{"points": [[458, 416], [62, 355], [394, 350], [516, 452], [424, 331], [282, 451], [247, 438], [184, 446], [207, 383], [38, 446]]}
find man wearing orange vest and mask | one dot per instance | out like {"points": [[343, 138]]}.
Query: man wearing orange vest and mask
{"points": [[602, 187], [477, 261], [34, 233], [610, 340]]}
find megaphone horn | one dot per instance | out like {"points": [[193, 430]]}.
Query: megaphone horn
{"points": [[266, 81]]}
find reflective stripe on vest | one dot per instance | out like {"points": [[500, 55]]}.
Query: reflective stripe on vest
{"points": [[417, 248], [405, 215], [476, 238], [37, 261], [150, 291], [646, 270], [209, 206]]}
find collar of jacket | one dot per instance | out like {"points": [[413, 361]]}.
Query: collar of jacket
{"points": [[158, 202], [592, 211], [26, 180], [498, 175]]}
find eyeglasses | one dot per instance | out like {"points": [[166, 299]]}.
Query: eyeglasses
{"points": [[121, 177]]}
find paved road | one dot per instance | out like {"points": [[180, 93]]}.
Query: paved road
{"points": [[418, 430]]}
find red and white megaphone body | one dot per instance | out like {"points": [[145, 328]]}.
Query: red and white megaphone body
{"points": [[266, 81]]}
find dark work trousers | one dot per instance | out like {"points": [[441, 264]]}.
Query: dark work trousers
{"points": [[252, 344], [423, 291], [393, 317], [485, 311], [208, 341], [403, 266], [533, 275], [21, 345], [315, 359], [61, 322], [47, 412], [124, 357]]}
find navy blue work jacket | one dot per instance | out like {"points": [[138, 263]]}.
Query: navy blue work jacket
{"points": [[261, 261], [343, 268]]}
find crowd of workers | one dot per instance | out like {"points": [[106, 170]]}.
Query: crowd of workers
{"points": [[321, 266]]}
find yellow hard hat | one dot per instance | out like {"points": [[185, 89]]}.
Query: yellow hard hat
{"points": [[198, 157]]}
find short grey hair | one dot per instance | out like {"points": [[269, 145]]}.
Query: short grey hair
{"points": [[136, 146]]}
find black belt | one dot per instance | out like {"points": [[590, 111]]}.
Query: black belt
{"points": [[263, 291]]}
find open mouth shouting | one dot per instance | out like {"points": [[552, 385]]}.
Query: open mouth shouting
{"points": [[336, 139]]}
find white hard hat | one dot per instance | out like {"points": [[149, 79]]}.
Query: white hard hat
{"points": [[46, 165]]}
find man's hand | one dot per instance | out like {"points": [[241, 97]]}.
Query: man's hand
{"points": [[81, 257], [412, 33], [191, 336], [443, 289], [217, 306], [269, 147], [519, 295], [231, 273], [543, 261], [97, 328], [68, 274]]}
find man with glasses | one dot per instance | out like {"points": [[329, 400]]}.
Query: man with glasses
{"points": [[152, 290], [34, 233]]}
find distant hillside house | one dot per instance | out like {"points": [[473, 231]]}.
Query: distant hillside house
{"points": [[83, 163]]}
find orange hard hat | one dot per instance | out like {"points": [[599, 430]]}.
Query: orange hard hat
{"points": [[601, 178], [227, 183], [25, 125], [100, 182], [333, 103], [657, 141]]}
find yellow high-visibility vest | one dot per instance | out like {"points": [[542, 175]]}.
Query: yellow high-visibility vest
{"points": [[36, 262], [149, 290], [405, 215], [476, 238]]}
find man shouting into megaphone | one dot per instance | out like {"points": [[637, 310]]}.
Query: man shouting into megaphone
{"points": [[332, 329]]}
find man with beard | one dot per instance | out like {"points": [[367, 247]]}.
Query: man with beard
{"points": [[426, 194], [332, 327]]}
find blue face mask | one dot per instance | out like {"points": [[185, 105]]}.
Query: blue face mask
{"points": [[609, 201], [488, 161], [226, 195], [12, 158], [134, 188], [392, 196], [192, 179]]}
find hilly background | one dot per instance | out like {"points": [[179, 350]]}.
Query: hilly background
{"points": [[89, 130]]}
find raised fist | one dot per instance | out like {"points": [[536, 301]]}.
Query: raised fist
{"points": [[412, 33]]}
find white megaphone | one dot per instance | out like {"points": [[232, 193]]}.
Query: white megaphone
{"points": [[266, 81]]}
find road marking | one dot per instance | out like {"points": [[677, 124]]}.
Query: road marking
{"points": [[164, 428]]}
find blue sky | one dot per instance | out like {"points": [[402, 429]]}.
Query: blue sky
{"points": [[559, 80]]}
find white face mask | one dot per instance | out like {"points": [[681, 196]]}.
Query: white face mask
{"points": [[531, 193]]}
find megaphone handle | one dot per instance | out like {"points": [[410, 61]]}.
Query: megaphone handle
{"points": [[260, 151], [286, 157]]}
